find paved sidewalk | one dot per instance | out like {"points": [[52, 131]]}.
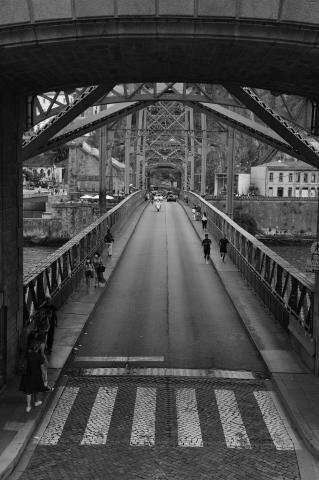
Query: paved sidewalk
{"points": [[17, 426], [297, 387]]}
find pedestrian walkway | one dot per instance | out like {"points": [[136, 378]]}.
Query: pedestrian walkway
{"points": [[207, 412]]}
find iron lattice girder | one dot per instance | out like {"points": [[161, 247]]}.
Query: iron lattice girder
{"points": [[132, 92], [49, 104], [245, 125], [80, 127], [35, 143], [305, 148]]}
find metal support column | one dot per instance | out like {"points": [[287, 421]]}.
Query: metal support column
{"points": [[127, 154], [102, 168], [138, 148], [204, 154], [186, 127], [192, 145], [144, 186], [230, 173], [109, 164]]}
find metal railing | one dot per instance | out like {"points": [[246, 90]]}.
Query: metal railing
{"points": [[62, 271], [283, 288]]}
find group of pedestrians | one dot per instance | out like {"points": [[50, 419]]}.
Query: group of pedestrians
{"points": [[34, 379], [206, 242], [94, 269]]}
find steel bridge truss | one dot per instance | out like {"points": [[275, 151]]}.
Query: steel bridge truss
{"points": [[166, 128]]}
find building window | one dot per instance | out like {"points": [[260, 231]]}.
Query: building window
{"points": [[270, 192], [305, 177], [280, 192], [290, 177], [313, 192], [313, 178], [289, 192], [281, 177], [271, 177], [297, 193], [298, 177]]}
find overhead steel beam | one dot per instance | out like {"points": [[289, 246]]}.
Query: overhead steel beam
{"points": [[106, 117], [245, 125], [34, 143], [306, 147]]}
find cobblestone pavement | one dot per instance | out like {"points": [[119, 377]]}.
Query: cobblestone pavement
{"points": [[164, 428]]}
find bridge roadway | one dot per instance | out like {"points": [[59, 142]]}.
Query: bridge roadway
{"points": [[208, 415], [164, 301]]}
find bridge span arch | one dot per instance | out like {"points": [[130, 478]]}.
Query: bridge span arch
{"points": [[271, 44]]}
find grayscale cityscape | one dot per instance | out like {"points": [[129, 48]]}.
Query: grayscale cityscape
{"points": [[159, 239]]}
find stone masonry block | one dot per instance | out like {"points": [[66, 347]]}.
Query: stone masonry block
{"points": [[268, 9], [14, 11], [94, 8], [136, 7], [218, 8], [176, 7], [51, 10], [297, 11]]}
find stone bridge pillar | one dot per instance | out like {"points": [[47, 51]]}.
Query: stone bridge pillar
{"points": [[11, 228]]}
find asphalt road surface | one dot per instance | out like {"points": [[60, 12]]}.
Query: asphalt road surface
{"points": [[163, 300]]}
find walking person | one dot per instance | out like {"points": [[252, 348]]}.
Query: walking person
{"points": [[223, 242], [108, 239], [88, 272], [204, 221], [99, 269], [32, 379], [50, 310], [206, 246], [194, 212]]}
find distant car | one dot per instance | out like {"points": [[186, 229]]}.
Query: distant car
{"points": [[171, 197]]}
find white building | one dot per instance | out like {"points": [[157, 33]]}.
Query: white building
{"points": [[241, 183], [286, 178]]}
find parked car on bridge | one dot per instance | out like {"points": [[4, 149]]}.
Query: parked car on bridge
{"points": [[171, 197]]}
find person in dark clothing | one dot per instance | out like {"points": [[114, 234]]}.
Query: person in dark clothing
{"points": [[206, 246], [32, 380], [223, 242], [50, 311], [108, 239], [204, 221]]}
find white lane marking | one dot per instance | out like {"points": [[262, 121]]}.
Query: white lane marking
{"points": [[55, 427], [143, 428], [119, 359], [169, 372], [188, 425], [232, 423], [100, 418], [273, 421]]}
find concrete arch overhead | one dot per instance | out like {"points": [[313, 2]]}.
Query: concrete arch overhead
{"points": [[270, 44]]}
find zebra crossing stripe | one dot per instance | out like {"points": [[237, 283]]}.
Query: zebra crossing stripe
{"points": [[100, 418], [273, 421], [232, 423], [188, 425], [55, 427], [143, 428]]}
